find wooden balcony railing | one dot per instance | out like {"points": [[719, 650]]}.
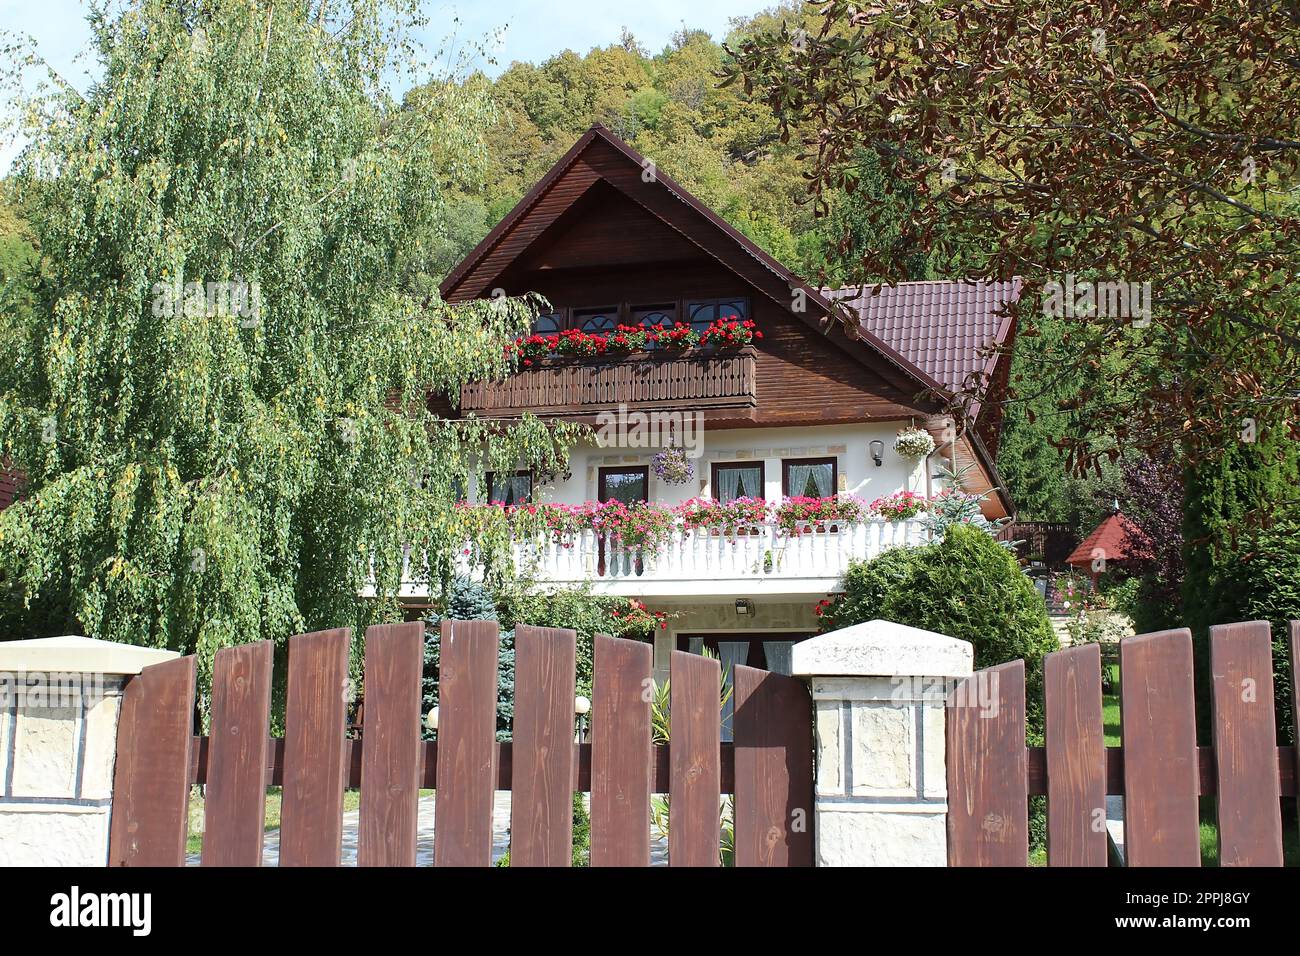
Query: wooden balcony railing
{"points": [[572, 386]]}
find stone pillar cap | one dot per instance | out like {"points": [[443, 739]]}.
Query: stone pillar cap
{"points": [[883, 649], [81, 655]]}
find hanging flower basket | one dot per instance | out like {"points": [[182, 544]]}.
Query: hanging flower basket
{"points": [[673, 467], [914, 443]]}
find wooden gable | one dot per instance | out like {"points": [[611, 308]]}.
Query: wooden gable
{"points": [[603, 227]]}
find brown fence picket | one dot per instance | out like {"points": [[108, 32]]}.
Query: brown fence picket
{"points": [[467, 720], [390, 757], [1294, 648], [1076, 758], [1245, 745], [234, 804], [774, 770], [1158, 714], [988, 796], [621, 760], [151, 778], [696, 732], [311, 812], [541, 802]]}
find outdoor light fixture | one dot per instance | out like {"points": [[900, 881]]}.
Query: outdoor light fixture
{"points": [[877, 449], [580, 707], [431, 719], [744, 606]]}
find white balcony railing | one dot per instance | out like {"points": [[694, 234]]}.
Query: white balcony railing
{"points": [[697, 563]]}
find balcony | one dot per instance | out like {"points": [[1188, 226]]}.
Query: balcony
{"points": [[575, 386], [759, 561]]}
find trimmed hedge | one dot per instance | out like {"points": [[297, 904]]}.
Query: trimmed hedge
{"points": [[969, 587], [966, 586]]}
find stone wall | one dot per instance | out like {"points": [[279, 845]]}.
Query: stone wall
{"points": [[59, 704], [58, 747]]}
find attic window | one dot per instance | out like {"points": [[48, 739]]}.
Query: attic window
{"points": [[654, 316], [596, 320], [546, 324], [705, 312]]}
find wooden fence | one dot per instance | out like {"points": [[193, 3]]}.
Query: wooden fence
{"points": [[768, 769], [1160, 770]]}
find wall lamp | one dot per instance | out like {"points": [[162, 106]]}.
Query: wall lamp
{"points": [[744, 607], [877, 449]]}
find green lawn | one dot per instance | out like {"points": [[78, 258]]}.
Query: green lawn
{"points": [[1209, 825]]}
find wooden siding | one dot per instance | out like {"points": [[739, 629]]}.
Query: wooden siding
{"points": [[801, 376], [595, 233]]}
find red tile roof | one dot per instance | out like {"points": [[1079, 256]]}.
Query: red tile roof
{"points": [[1109, 540], [943, 327]]}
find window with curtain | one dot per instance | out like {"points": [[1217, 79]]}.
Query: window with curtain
{"points": [[507, 489], [809, 477], [779, 656], [732, 481], [731, 654]]}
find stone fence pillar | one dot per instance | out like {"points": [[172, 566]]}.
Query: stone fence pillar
{"points": [[59, 700], [881, 780]]}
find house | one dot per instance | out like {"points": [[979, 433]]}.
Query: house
{"points": [[806, 406]]}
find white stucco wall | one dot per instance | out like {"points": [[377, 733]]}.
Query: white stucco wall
{"points": [[848, 444]]}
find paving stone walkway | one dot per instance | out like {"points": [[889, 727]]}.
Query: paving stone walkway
{"points": [[424, 838]]}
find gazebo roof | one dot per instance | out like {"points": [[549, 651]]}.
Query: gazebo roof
{"points": [[1112, 538]]}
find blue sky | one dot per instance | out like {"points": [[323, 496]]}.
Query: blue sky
{"points": [[534, 29]]}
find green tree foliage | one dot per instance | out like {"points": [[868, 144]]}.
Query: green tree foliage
{"points": [[715, 141], [203, 475], [1131, 142], [966, 586], [17, 253], [471, 601], [1240, 560], [1266, 583]]}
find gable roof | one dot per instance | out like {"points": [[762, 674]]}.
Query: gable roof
{"points": [[943, 328], [618, 164], [1112, 538]]}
